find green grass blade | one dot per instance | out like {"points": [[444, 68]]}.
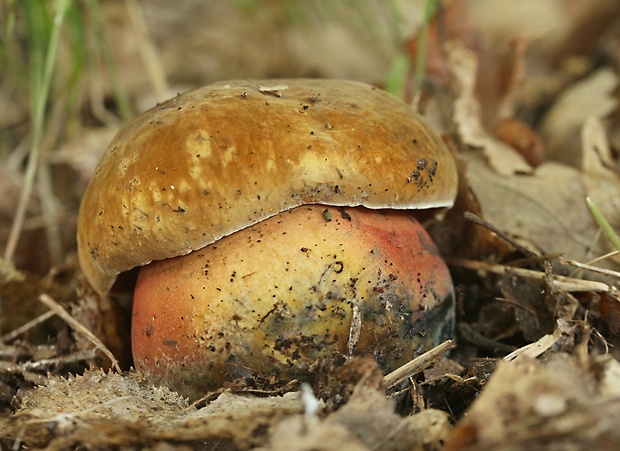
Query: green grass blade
{"points": [[42, 83], [603, 223]]}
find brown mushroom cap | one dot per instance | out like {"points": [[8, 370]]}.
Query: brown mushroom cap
{"points": [[217, 159]]}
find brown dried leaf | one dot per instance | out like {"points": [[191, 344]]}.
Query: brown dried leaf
{"points": [[502, 21], [527, 299], [452, 23], [467, 114], [547, 207], [370, 417], [591, 97], [455, 235], [589, 25], [522, 138], [366, 422], [301, 433], [531, 405], [427, 430], [500, 78], [601, 182]]}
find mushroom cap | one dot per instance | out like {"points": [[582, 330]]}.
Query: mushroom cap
{"points": [[217, 159]]}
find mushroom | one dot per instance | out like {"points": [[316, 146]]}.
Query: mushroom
{"points": [[273, 224]]}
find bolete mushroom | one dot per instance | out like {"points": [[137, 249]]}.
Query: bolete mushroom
{"points": [[273, 224]]}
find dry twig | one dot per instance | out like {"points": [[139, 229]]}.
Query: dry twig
{"points": [[562, 283], [418, 364], [75, 325]]}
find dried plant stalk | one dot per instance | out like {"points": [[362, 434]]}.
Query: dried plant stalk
{"points": [[78, 327]]}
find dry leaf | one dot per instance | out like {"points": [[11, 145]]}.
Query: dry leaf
{"points": [[547, 207], [559, 404], [104, 409], [527, 299], [500, 89], [502, 21], [366, 422], [589, 25], [301, 433], [467, 115], [452, 23], [370, 416], [522, 138], [101, 407], [591, 97], [601, 182]]}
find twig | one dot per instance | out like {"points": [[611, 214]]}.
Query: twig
{"points": [[535, 349], [504, 236], [470, 335], [560, 282], [418, 364], [45, 364], [603, 257], [29, 325], [75, 325], [607, 272]]}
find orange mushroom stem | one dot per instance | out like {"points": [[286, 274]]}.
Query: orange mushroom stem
{"points": [[273, 299]]}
